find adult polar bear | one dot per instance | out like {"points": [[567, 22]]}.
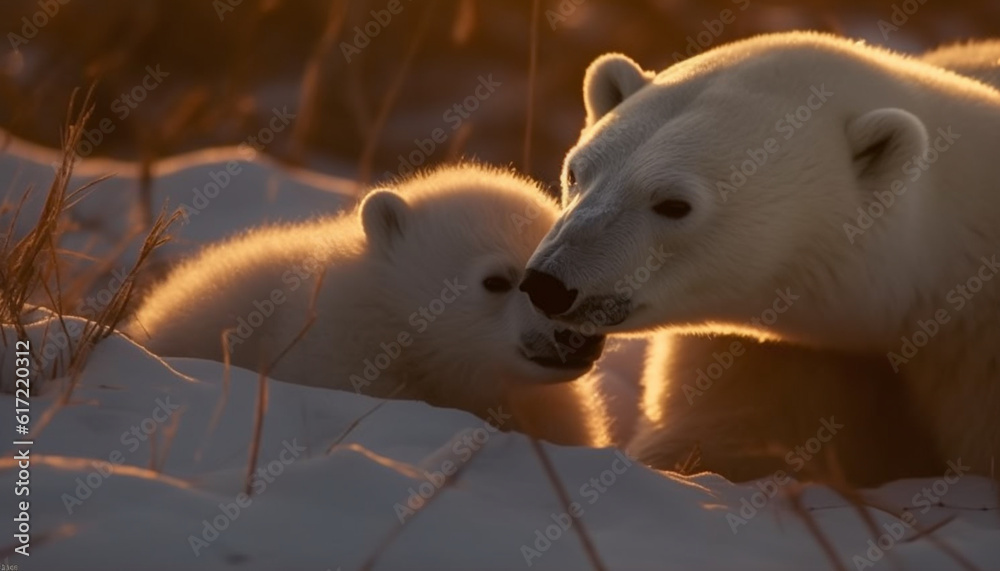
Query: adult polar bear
{"points": [[751, 165], [416, 299]]}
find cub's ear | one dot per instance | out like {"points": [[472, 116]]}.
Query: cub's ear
{"points": [[611, 79], [384, 217], [881, 141]]}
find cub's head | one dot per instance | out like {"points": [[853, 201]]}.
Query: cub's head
{"points": [[695, 194], [450, 247]]}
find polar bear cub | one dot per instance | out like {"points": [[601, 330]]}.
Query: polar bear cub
{"points": [[979, 59], [860, 180], [414, 296]]}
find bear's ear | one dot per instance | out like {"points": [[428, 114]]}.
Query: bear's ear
{"points": [[611, 79], [384, 217], [881, 141]]}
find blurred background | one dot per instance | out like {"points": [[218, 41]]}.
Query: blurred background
{"points": [[371, 88]]}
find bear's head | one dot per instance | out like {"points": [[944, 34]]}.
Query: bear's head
{"points": [[450, 248], [702, 194]]}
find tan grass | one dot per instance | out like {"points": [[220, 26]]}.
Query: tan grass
{"points": [[367, 160], [31, 272]]}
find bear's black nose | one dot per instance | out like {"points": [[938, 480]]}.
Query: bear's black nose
{"points": [[548, 293]]}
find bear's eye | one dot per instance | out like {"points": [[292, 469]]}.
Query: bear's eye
{"points": [[672, 208], [571, 177], [497, 284]]}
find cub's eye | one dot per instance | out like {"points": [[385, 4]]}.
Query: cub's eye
{"points": [[672, 208], [571, 177], [497, 284]]}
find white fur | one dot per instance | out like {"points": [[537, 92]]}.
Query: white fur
{"points": [[371, 272], [678, 135], [979, 59]]}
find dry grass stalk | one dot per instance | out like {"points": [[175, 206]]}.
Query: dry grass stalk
{"points": [[310, 94], [578, 527], [220, 404], [31, 272], [265, 370], [393, 533], [536, 7], [258, 430], [389, 101]]}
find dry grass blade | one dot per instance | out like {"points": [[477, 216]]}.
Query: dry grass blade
{"points": [[465, 22], [85, 190], [312, 78], [220, 405], [310, 320], [85, 277], [524, 425], [371, 141], [26, 266], [536, 7], [31, 269], [393, 533], [48, 414], [261, 408], [858, 503], [928, 534], [258, 430], [357, 421], [836, 479], [107, 320], [169, 433], [795, 497], [691, 462], [154, 446], [927, 531], [9, 235], [838, 482], [29, 263], [578, 527]]}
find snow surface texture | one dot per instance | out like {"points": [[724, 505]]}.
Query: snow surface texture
{"points": [[221, 191], [107, 494]]}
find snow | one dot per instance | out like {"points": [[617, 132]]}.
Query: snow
{"points": [[105, 494], [252, 189]]}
